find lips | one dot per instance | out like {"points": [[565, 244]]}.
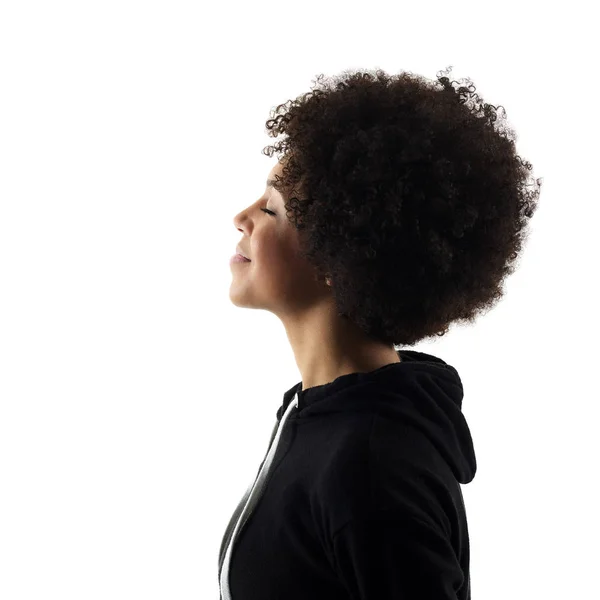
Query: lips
{"points": [[238, 251]]}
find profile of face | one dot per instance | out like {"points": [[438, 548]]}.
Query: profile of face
{"points": [[277, 279]]}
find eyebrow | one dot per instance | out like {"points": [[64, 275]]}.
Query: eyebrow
{"points": [[270, 182]]}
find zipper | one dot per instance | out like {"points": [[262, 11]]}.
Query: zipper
{"points": [[251, 498]]}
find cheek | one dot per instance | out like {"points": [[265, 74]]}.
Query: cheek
{"points": [[276, 268], [272, 251]]}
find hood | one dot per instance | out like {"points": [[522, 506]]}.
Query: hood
{"points": [[421, 390]]}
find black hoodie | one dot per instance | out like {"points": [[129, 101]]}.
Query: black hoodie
{"points": [[358, 496]]}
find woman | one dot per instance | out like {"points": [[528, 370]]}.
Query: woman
{"points": [[396, 209]]}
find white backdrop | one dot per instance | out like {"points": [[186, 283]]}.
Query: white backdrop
{"points": [[136, 402]]}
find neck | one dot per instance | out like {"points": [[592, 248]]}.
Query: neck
{"points": [[326, 346]]}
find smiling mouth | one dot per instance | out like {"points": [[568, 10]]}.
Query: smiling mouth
{"points": [[238, 258]]}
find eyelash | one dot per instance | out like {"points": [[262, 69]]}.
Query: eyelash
{"points": [[268, 211]]}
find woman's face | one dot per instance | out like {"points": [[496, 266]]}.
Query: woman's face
{"points": [[276, 279]]}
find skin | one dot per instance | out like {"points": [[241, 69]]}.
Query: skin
{"points": [[325, 346]]}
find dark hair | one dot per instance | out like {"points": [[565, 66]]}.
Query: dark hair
{"points": [[409, 199]]}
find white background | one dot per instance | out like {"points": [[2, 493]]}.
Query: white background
{"points": [[136, 402]]}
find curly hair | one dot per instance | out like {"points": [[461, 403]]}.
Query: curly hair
{"points": [[409, 199]]}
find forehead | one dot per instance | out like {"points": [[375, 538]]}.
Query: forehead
{"points": [[276, 170], [271, 179]]}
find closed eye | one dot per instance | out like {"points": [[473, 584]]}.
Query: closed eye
{"points": [[268, 211]]}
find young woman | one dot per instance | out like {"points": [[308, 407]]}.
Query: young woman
{"points": [[397, 208]]}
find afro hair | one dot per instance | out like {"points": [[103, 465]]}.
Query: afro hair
{"points": [[408, 199]]}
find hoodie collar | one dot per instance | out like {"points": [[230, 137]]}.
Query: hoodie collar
{"points": [[385, 374]]}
